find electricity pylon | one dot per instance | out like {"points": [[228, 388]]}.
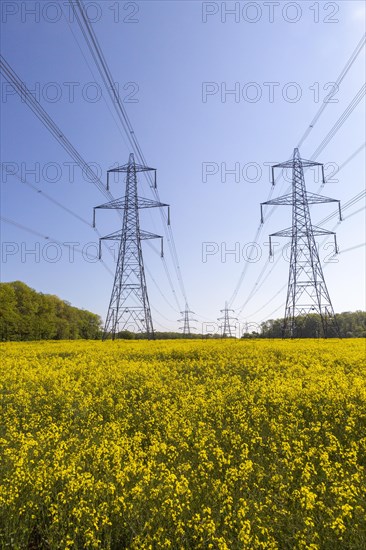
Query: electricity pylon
{"points": [[129, 307], [307, 292], [187, 320], [226, 327]]}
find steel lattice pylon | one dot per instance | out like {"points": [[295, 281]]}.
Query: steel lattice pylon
{"points": [[129, 307], [187, 320], [307, 292], [227, 328]]}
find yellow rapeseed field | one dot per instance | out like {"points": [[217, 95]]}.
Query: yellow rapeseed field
{"points": [[183, 444]]}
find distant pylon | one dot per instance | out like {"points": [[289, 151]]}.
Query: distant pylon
{"points": [[307, 292], [226, 327], [129, 307], [187, 320]]}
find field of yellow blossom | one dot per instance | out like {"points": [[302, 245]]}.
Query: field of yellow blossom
{"points": [[183, 444]]}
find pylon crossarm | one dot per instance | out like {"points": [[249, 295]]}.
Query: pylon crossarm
{"points": [[290, 163], [308, 163], [286, 164], [116, 203], [283, 233], [313, 198], [285, 199], [282, 165], [119, 204], [149, 203], [116, 236], [320, 231], [132, 166], [112, 236], [144, 235], [137, 167]]}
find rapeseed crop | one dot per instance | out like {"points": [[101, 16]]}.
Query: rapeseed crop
{"points": [[183, 444]]}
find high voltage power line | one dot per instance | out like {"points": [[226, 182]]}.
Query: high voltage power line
{"points": [[51, 126], [325, 103], [336, 127], [103, 69], [341, 120], [106, 75], [253, 292], [260, 227], [57, 133], [324, 265], [52, 239], [47, 238], [48, 197], [123, 135], [341, 76], [257, 285]]}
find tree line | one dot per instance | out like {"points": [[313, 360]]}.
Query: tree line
{"points": [[351, 324], [29, 315]]}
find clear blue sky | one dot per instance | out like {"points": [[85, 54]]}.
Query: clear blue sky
{"points": [[171, 50]]}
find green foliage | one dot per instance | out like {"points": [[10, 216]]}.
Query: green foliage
{"points": [[351, 325], [29, 315], [126, 335]]}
